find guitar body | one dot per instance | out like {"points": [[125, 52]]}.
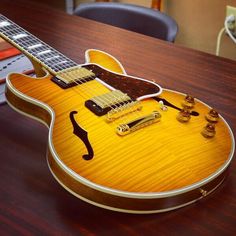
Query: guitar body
{"points": [[163, 166]]}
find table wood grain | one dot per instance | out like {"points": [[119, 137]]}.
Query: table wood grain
{"points": [[33, 203]]}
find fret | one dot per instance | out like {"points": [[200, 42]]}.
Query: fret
{"points": [[53, 58], [58, 60], [10, 32], [44, 56], [42, 52], [65, 65], [27, 41], [33, 47], [19, 36], [62, 63], [36, 50], [6, 28], [62, 67], [4, 23]]}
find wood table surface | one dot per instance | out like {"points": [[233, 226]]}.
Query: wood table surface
{"points": [[33, 203]]}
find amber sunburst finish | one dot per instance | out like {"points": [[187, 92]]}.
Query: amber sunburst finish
{"points": [[162, 165], [164, 158]]}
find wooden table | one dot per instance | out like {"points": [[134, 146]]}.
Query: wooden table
{"points": [[33, 203]]}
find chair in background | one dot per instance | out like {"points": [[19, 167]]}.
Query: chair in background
{"points": [[155, 4], [131, 17]]}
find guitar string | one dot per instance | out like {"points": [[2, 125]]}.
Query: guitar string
{"points": [[18, 30], [126, 117], [121, 119], [86, 85], [106, 100], [84, 88], [81, 82]]}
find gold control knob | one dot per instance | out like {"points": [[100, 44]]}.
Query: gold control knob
{"points": [[212, 116], [184, 115], [188, 102], [209, 131]]}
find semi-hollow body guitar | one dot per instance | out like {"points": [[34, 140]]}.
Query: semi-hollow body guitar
{"points": [[117, 141]]}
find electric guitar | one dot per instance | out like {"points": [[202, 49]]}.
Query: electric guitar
{"points": [[117, 141]]}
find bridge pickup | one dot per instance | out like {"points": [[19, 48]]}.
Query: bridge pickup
{"points": [[96, 109], [102, 104], [99, 111], [124, 129]]}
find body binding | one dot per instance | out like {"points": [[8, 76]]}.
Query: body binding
{"points": [[84, 180]]}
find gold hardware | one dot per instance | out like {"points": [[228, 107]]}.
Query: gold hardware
{"points": [[111, 98], [212, 116], [184, 115], [123, 110], [124, 129], [209, 131], [188, 102], [74, 74]]}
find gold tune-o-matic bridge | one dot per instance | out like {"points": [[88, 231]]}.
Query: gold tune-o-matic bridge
{"points": [[124, 129]]}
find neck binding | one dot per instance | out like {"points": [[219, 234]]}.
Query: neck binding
{"points": [[33, 47]]}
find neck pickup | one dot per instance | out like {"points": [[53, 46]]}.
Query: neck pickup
{"points": [[73, 76]]}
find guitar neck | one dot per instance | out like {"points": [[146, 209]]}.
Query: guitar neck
{"points": [[33, 47]]}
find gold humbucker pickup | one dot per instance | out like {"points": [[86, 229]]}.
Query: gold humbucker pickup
{"points": [[112, 103], [75, 75], [124, 129], [110, 99]]}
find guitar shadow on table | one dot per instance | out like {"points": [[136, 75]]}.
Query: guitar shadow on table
{"points": [[68, 214]]}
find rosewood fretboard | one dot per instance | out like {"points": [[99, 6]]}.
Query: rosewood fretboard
{"points": [[33, 47]]}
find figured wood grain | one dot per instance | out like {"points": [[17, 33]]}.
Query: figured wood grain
{"points": [[165, 156], [33, 203]]}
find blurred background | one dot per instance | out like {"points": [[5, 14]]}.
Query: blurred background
{"points": [[199, 21]]}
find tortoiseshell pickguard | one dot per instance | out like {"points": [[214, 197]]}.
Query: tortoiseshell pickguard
{"points": [[133, 87]]}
